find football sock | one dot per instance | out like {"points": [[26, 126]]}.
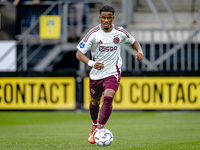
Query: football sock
{"points": [[94, 110], [105, 111]]}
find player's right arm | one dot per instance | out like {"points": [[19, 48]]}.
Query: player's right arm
{"points": [[85, 45], [97, 65]]}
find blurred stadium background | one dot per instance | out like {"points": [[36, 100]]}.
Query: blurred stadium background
{"points": [[39, 69]]}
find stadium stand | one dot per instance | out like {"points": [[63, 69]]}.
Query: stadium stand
{"points": [[168, 31]]}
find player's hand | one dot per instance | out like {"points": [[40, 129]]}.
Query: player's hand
{"points": [[99, 65], [139, 56]]}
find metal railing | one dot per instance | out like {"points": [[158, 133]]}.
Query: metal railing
{"points": [[163, 50], [161, 53]]}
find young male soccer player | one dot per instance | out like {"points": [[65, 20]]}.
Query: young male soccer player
{"points": [[104, 41]]}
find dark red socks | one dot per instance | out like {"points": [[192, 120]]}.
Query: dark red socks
{"points": [[105, 111]]}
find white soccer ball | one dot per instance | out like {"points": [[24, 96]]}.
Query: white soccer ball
{"points": [[103, 137]]}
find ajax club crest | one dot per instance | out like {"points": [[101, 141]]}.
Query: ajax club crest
{"points": [[116, 40]]}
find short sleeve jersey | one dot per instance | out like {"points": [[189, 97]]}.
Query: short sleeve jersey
{"points": [[105, 47]]}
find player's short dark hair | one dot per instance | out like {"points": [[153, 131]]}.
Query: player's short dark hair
{"points": [[107, 8]]}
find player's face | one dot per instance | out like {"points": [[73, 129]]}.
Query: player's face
{"points": [[106, 19]]}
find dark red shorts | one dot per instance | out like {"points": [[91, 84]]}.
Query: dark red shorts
{"points": [[97, 87]]}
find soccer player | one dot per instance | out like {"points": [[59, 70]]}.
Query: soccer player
{"points": [[104, 41]]}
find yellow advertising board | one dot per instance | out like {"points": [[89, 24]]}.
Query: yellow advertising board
{"points": [[153, 93], [37, 93], [50, 27]]}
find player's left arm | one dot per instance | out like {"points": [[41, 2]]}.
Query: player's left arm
{"points": [[139, 55]]}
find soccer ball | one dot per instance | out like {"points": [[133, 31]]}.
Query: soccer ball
{"points": [[103, 137]]}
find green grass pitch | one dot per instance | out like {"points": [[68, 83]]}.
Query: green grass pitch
{"points": [[148, 130]]}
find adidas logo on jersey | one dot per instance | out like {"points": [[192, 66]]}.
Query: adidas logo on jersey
{"points": [[100, 42]]}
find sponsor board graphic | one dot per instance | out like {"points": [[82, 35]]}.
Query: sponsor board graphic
{"points": [[153, 93], [37, 93]]}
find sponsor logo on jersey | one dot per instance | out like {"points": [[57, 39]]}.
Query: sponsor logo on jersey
{"points": [[116, 40], [82, 45], [100, 42], [107, 48]]}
